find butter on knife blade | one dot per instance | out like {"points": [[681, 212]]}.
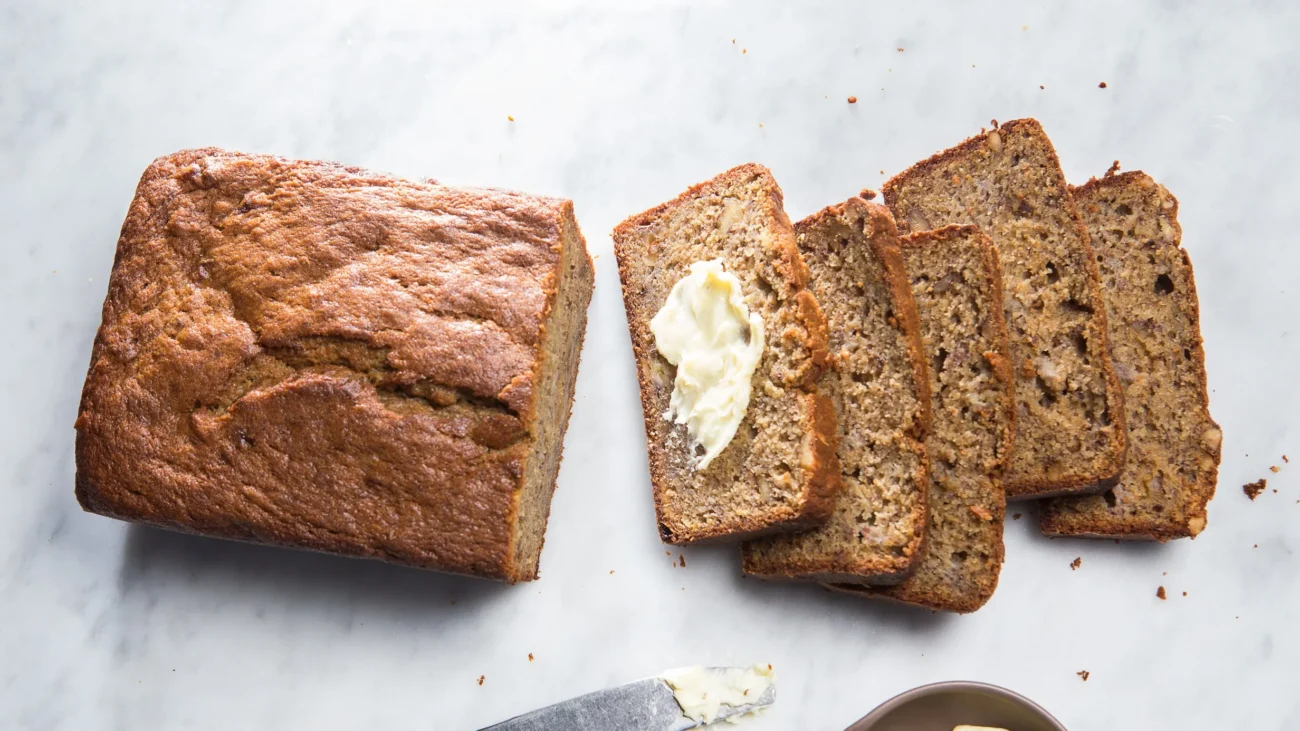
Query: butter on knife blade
{"points": [[653, 704]]}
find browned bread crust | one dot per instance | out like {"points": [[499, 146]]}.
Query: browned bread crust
{"points": [[317, 356], [957, 285], [1151, 301], [1070, 411], [879, 385], [779, 471]]}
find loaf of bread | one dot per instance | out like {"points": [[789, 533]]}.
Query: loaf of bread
{"points": [[879, 385], [957, 284], [778, 472], [311, 355], [1070, 434], [1151, 302]]}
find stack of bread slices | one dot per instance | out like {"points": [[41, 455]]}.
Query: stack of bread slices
{"points": [[988, 333]]}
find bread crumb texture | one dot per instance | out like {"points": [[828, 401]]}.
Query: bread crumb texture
{"points": [[957, 286], [1155, 344], [1069, 419], [878, 384], [1253, 489]]}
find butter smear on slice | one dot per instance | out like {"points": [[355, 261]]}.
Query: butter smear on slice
{"points": [[707, 331]]}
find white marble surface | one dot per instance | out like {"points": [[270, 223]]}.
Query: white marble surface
{"points": [[107, 626]]}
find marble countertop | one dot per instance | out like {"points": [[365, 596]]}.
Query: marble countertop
{"points": [[108, 626]]}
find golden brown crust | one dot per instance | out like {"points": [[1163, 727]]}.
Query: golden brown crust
{"points": [[1122, 515], [821, 477], [825, 484], [292, 353], [1042, 485]]}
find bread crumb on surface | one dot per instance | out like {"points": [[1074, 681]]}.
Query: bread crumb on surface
{"points": [[1184, 593], [1083, 674], [682, 559], [1076, 563], [611, 572], [1102, 85], [1253, 489], [744, 50], [1041, 86], [510, 118], [530, 657], [1284, 459], [1274, 469], [853, 100], [1015, 516], [481, 678], [1160, 593]]}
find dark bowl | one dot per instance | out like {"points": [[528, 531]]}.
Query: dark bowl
{"points": [[941, 706]]}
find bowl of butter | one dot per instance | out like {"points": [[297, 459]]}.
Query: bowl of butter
{"points": [[958, 706]]}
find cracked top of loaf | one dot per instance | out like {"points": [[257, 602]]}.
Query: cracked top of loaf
{"points": [[317, 355]]}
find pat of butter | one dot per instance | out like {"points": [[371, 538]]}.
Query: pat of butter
{"points": [[707, 331], [702, 692], [977, 728]]}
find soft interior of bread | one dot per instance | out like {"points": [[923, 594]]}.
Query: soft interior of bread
{"points": [[879, 516], [561, 347], [955, 290], [761, 476], [1010, 185], [1156, 346]]}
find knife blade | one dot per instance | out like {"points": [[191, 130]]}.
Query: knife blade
{"points": [[646, 705]]}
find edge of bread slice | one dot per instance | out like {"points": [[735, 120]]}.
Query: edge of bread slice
{"points": [[957, 284], [779, 471], [1070, 436], [1156, 345], [880, 388]]}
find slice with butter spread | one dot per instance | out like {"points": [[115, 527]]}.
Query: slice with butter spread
{"points": [[707, 331], [748, 445]]}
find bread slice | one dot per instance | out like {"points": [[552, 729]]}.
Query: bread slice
{"points": [[879, 385], [779, 471], [1155, 343], [1070, 413], [957, 284]]}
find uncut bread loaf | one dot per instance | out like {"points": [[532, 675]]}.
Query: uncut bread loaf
{"points": [[1150, 294], [1070, 434], [317, 356], [778, 472], [957, 284], [879, 385]]}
